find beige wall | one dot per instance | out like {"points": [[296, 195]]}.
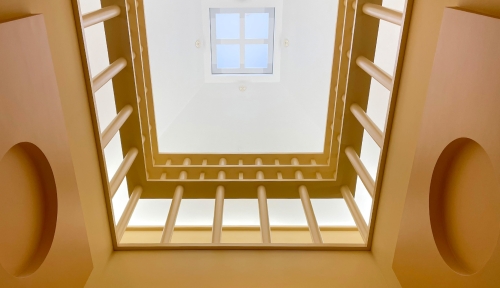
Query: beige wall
{"points": [[242, 235], [243, 268], [68, 68], [422, 41], [172, 268]]}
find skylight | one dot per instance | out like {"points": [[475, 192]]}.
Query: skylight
{"points": [[242, 40]]}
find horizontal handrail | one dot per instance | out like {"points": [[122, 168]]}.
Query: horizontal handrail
{"points": [[100, 15]]}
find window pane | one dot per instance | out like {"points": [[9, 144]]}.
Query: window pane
{"points": [[228, 56], [227, 26], [256, 55], [257, 25]]}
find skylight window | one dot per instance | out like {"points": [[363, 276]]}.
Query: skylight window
{"points": [[242, 40]]}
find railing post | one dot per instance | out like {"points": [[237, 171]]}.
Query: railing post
{"points": [[122, 171], [115, 125], [168, 229], [127, 213], [376, 72], [219, 210], [356, 214], [368, 124], [265, 228], [311, 218], [219, 207], [361, 170]]}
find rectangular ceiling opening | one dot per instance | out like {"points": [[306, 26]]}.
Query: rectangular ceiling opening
{"points": [[242, 40]]}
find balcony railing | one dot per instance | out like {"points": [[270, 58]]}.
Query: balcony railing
{"points": [[328, 175]]}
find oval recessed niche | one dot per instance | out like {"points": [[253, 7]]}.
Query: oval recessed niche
{"points": [[464, 206], [28, 209]]}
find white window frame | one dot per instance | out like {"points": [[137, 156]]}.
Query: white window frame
{"points": [[242, 41], [275, 76]]}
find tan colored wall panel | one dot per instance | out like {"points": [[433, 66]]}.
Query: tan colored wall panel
{"points": [[462, 102], [28, 209], [331, 235], [30, 111]]}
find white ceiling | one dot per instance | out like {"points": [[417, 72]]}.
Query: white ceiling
{"points": [[153, 212], [287, 116]]}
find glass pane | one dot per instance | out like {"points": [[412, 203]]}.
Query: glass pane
{"points": [[228, 56], [257, 25], [256, 55], [227, 26]]}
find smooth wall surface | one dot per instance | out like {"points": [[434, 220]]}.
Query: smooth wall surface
{"points": [[449, 233], [44, 238], [64, 47], [421, 47], [243, 268]]}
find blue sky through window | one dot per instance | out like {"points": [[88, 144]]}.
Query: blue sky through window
{"points": [[256, 55], [242, 40], [256, 25], [228, 56], [227, 26]]}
